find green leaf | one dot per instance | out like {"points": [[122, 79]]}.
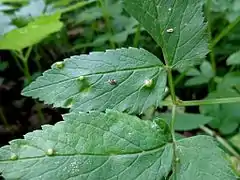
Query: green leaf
{"points": [[197, 80], [13, 1], [235, 140], [187, 121], [177, 26], [234, 59], [35, 31], [201, 159], [90, 146], [114, 145], [124, 79], [193, 72], [230, 82], [206, 70], [226, 117]]}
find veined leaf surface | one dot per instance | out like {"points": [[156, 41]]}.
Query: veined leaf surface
{"points": [[123, 79], [112, 146], [177, 26]]}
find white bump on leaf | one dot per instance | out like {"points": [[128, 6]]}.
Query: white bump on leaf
{"points": [[169, 9], [177, 159], [148, 82], [59, 65], [81, 78], [14, 157], [50, 152], [170, 30]]}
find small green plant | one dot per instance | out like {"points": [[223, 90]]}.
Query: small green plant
{"points": [[101, 138]]}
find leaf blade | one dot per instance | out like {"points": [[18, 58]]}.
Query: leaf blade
{"points": [[85, 157], [204, 164], [36, 31], [106, 85], [177, 26], [187, 121], [108, 146], [234, 59]]}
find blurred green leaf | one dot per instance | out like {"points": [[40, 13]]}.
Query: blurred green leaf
{"points": [[35, 8], [187, 121], [31, 34], [197, 80], [226, 117], [235, 140], [234, 59], [4, 7], [14, 1], [203, 77], [206, 70], [3, 65], [5, 24], [193, 72]]}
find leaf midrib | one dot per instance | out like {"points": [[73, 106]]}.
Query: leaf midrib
{"points": [[160, 66], [149, 151]]}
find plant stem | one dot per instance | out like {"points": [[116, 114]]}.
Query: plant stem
{"points": [[210, 101], [137, 36], [175, 158], [27, 74], [17, 62], [24, 60], [107, 21], [203, 102], [39, 112], [3, 118], [225, 31], [221, 140], [172, 124], [171, 85], [212, 56]]}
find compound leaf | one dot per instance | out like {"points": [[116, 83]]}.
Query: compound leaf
{"points": [[110, 146], [123, 79], [177, 26]]}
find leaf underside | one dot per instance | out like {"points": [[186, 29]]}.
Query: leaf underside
{"points": [[177, 26], [112, 146], [103, 80]]}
